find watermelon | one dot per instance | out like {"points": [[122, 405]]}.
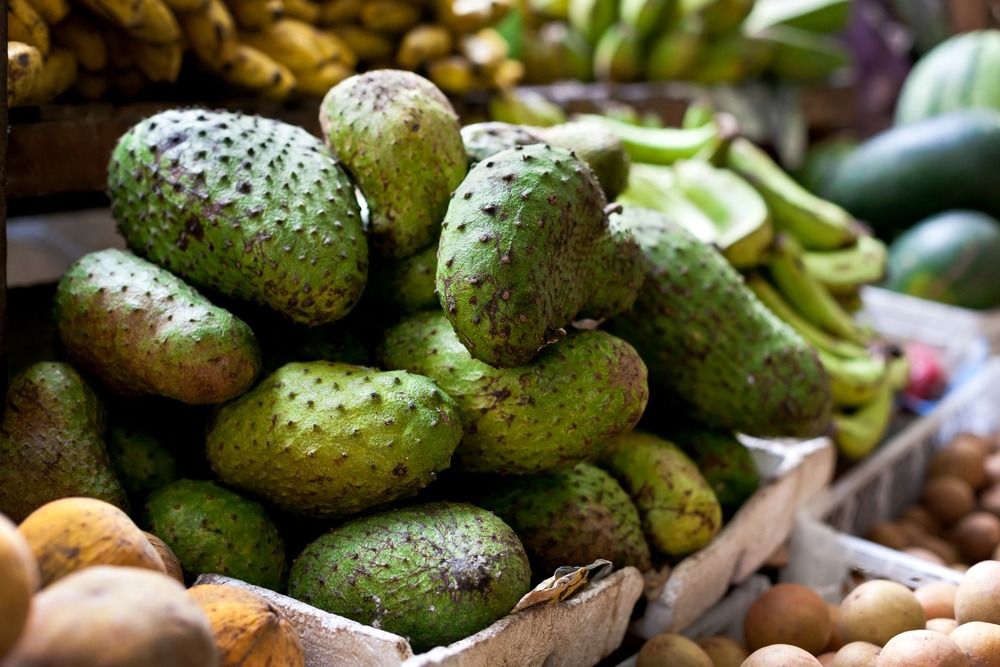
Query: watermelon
{"points": [[950, 257], [962, 72]]}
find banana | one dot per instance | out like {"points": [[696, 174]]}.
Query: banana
{"points": [[334, 49], [78, 34], [211, 34], [26, 25], [181, 6], [123, 13], [258, 71], [524, 107], [391, 16], [507, 75], [672, 55], [452, 74], [729, 58], [157, 62], [806, 294], [158, 25], [92, 86], [24, 68], [317, 82], [53, 11], [618, 55], [816, 223], [661, 145], [722, 16], [858, 433], [367, 45], [553, 10], [119, 58], [843, 271], [855, 381], [592, 17], [799, 55], [303, 10], [339, 11], [571, 55], [820, 16], [850, 301], [290, 42], [470, 15], [818, 338], [422, 43], [485, 49], [59, 73], [256, 14], [899, 371], [129, 82], [646, 17], [697, 114]]}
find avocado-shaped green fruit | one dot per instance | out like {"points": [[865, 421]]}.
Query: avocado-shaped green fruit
{"points": [[212, 529], [526, 248], [52, 442], [596, 145], [400, 139], [404, 286], [679, 511], [551, 413], [433, 573], [486, 139], [142, 330], [569, 517], [249, 207], [141, 461], [714, 351], [723, 460], [327, 439]]}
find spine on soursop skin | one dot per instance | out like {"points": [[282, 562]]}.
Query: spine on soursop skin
{"points": [[248, 207], [141, 330]]}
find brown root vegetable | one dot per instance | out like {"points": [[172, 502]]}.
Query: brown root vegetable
{"points": [[878, 610], [980, 642], [723, 651], [976, 535], [921, 647], [788, 613], [948, 498], [978, 596]]}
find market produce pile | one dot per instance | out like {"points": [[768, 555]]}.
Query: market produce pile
{"points": [[98, 49], [404, 372]]}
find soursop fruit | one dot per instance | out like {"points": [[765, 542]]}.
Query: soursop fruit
{"points": [[400, 139], [248, 207], [327, 440], [526, 248], [599, 147], [551, 413], [486, 139]]}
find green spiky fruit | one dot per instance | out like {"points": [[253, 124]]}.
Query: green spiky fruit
{"points": [[723, 460], [569, 517], [680, 513], [433, 573], [526, 247], [212, 529], [486, 139], [142, 462], [714, 351], [327, 439], [549, 414], [596, 145], [329, 342], [405, 285], [249, 207], [400, 139], [142, 330], [52, 442]]}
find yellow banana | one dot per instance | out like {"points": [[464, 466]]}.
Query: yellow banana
{"points": [[857, 433], [58, 74], [115, 41], [129, 82], [339, 11], [335, 49], [24, 67], [123, 13], [258, 71], [183, 6], [53, 11], [303, 10], [471, 15], [452, 74], [78, 34], [158, 25], [290, 42], [422, 43], [367, 45], [211, 34], [318, 81], [157, 62], [843, 271], [899, 371], [485, 49], [256, 14], [806, 294], [26, 25], [92, 86], [507, 75], [392, 16]]}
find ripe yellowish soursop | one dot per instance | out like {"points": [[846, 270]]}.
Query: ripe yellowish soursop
{"points": [[249, 207]]}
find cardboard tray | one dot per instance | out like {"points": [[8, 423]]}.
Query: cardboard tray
{"points": [[577, 632]]}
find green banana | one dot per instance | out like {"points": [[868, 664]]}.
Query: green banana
{"points": [[592, 17], [850, 300], [858, 433], [555, 10], [663, 145], [655, 187], [812, 334], [717, 16], [899, 372], [806, 294], [519, 106], [816, 223], [618, 55], [730, 58], [800, 55], [697, 114], [646, 17], [819, 16], [842, 271], [672, 54], [856, 381]]}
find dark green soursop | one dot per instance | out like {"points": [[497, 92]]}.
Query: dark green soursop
{"points": [[715, 353], [483, 140], [569, 517], [324, 439], [141, 460], [433, 573], [404, 286], [551, 413], [723, 460], [249, 207], [214, 530], [526, 248], [400, 139], [599, 147]]}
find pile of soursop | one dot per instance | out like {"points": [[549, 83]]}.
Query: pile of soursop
{"points": [[398, 372]]}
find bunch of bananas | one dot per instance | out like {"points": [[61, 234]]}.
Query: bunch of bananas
{"points": [[275, 48], [702, 41], [805, 258]]}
